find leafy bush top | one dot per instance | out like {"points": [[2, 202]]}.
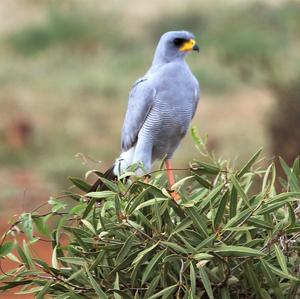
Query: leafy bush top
{"points": [[231, 235]]}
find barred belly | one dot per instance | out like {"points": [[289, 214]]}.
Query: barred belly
{"points": [[164, 128]]}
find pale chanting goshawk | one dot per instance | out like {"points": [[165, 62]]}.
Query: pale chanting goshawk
{"points": [[161, 106]]}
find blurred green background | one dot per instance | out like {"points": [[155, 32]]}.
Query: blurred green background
{"points": [[67, 68]]}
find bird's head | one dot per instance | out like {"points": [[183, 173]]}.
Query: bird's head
{"points": [[175, 44]]}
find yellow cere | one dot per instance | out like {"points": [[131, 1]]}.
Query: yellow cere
{"points": [[188, 46]]}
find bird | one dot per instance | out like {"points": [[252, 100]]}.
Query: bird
{"points": [[160, 109]]}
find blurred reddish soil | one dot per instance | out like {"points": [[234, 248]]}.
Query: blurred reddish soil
{"points": [[24, 191]]}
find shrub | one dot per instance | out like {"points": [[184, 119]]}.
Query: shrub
{"points": [[264, 47], [75, 28], [232, 235]]}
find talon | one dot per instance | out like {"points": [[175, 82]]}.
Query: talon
{"points": [[175, 196]]}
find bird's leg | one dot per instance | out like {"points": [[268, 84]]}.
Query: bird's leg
{"points": [[170, 172], [146, 179]]}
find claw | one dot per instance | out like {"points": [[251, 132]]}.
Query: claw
{"points": [[175, 195]]}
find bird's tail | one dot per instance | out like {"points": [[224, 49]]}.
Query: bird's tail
{"points": [[108, 175]]}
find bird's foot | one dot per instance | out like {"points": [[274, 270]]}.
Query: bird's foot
{"points": [[146, 179], [175, 195]]}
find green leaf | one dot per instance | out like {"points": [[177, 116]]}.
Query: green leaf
{"points": [[248, 165], [22, 256], [54, 258], [82, 185], [240, 190], [76, 274], [175, 247], [27, 226], [118, 207], [26, 253], [221, 210], [206, 167], [293, 180], [237, 219], [259, 223], [165, 292], [135, 201], [296, 167], [150, 202], [233, 202], [239, 228], [158, 219], [7, 248], [89, 207], [209, 199], [143, 220], [121, 294], [101, 194], [125, 249], [13, 284], [271, 279], [238, 251], [45, 290], [196, 218], [252, 279], [281, 259], [126, 262], [292, 216], [41, 225], [152, 286], [180, 183], [78, 209], [30, 291], [193, 279], [12, 257], [268, 184], [98, 260], [206, 242], [281, 273], [89, 226], [183, 225], [74, 260], [56, 204], [153, 262], [283, 196], [268, 208], [95, 285], [203, 182], [117, 287], [206, 282], [156, 192], [109, 184], [203, 256], [225, 293], [143, 253]]}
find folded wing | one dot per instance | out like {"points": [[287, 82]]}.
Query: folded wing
{"points": [[140, 102]]}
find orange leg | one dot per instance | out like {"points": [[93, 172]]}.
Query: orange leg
{"points": [[170, 172], [146, 179]]}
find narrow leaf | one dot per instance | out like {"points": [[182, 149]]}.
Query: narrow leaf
{"points": [[248, 165], [238, 251], [153, 262], [165, 292], [95, 285], [281, 259], [206, 282]]}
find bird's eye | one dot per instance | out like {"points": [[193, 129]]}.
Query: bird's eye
{"points": [[179, 41]]}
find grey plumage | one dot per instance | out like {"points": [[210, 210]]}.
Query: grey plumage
{"points": [[161, 105]]}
